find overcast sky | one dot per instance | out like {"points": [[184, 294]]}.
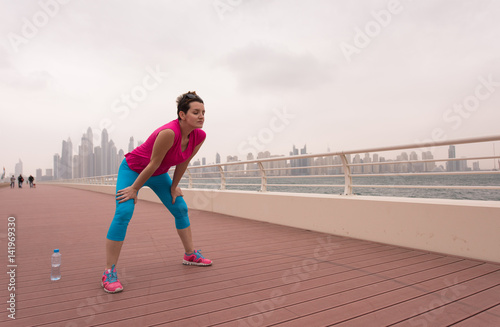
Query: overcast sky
{"points": [[338, 75]]}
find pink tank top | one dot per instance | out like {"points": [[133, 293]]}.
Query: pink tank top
{"points": [[140, 157]]}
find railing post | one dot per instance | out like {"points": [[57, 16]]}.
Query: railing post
{"points": [[263, 178], [347, 175], [222, 178]]}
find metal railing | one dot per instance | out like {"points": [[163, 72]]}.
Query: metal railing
{"points": [[338, 171]]}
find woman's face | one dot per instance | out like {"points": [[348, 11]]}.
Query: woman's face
{"points": [[195, 116]]}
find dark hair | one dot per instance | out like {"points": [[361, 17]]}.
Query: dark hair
{"points": [[184, 100]]}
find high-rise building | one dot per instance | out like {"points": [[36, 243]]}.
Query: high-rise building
{"points": [[57, 164], [105, 166], [66, 164], [417, 166], [376, 168], [462, 165], [403, 167], [302, 162], [131, 144], [19, 168], [217, 158], [113, 158], [367, 169], [475, 165], [356, 169], [98, 161], [451, 165], [87, 154], [429, 166], [77, 168]]}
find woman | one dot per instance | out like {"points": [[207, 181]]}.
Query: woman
{"points": [[173, 144]]}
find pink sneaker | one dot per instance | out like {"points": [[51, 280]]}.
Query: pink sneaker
{"points": [[110, 281], [196, 259]]}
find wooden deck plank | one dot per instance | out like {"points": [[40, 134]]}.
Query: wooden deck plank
{"points": [[489, 317], [290, 276], [453, 302]]}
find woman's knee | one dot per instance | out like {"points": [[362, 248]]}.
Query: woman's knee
{"points": [[124, 211]]}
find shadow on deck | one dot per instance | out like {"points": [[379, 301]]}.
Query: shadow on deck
{"points": [[263, 274]]}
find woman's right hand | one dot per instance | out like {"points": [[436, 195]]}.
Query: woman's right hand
{"points": [[127, 194]]}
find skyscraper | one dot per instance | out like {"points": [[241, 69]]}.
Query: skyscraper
{"points": [[98, 161], [112, 158], [131, 144], [429, 166], [302, 162], [451, 165], [367, 169], [19, 168], [66, 164], [87, 154], [57, 164], [105, 166]]}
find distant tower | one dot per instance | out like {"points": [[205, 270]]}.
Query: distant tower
{"points": [[105, 167], [451, 165], [57, 165], [66, 166], [87, 153], [90, 148], [19, 168], [131, 144], [217, 158], [113, 158]]}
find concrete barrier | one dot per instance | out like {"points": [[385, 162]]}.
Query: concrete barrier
{"points": [[456, 227]]}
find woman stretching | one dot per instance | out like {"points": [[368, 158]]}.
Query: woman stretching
{"points": [[173, 144]]}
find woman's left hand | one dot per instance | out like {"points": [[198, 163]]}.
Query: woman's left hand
{"points": [[175, 193]]}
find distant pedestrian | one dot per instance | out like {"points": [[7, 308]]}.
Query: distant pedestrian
{"points": [[20, 181], [12, 181], [30, 180], [173, 144]]}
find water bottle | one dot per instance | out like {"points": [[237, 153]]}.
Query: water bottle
{"points": [[55, 273]]}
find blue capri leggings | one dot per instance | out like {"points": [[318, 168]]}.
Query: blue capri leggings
{"points": [[160, 184]]}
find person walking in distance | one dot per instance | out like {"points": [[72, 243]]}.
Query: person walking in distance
{"points": [[12, 181], [20, 180], [173, 144]]}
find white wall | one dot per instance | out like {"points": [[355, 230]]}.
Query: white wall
{"points": [[463, 228]]}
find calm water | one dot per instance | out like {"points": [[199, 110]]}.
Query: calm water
{"points": [[298, 186]]}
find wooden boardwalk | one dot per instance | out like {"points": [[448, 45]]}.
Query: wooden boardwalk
{"points": [[263, 274]]}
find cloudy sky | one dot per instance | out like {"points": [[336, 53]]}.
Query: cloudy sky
{"points": [[338, 75]]}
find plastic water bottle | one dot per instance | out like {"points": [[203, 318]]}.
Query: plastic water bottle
{"points": [[55, 273]]}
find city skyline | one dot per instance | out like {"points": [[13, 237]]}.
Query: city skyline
{"points": [[105, 160]]}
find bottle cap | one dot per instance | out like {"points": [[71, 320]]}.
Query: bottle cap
{"points": [[56, 251]]}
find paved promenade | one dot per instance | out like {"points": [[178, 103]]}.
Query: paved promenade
{"points": [[263, 274]]}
